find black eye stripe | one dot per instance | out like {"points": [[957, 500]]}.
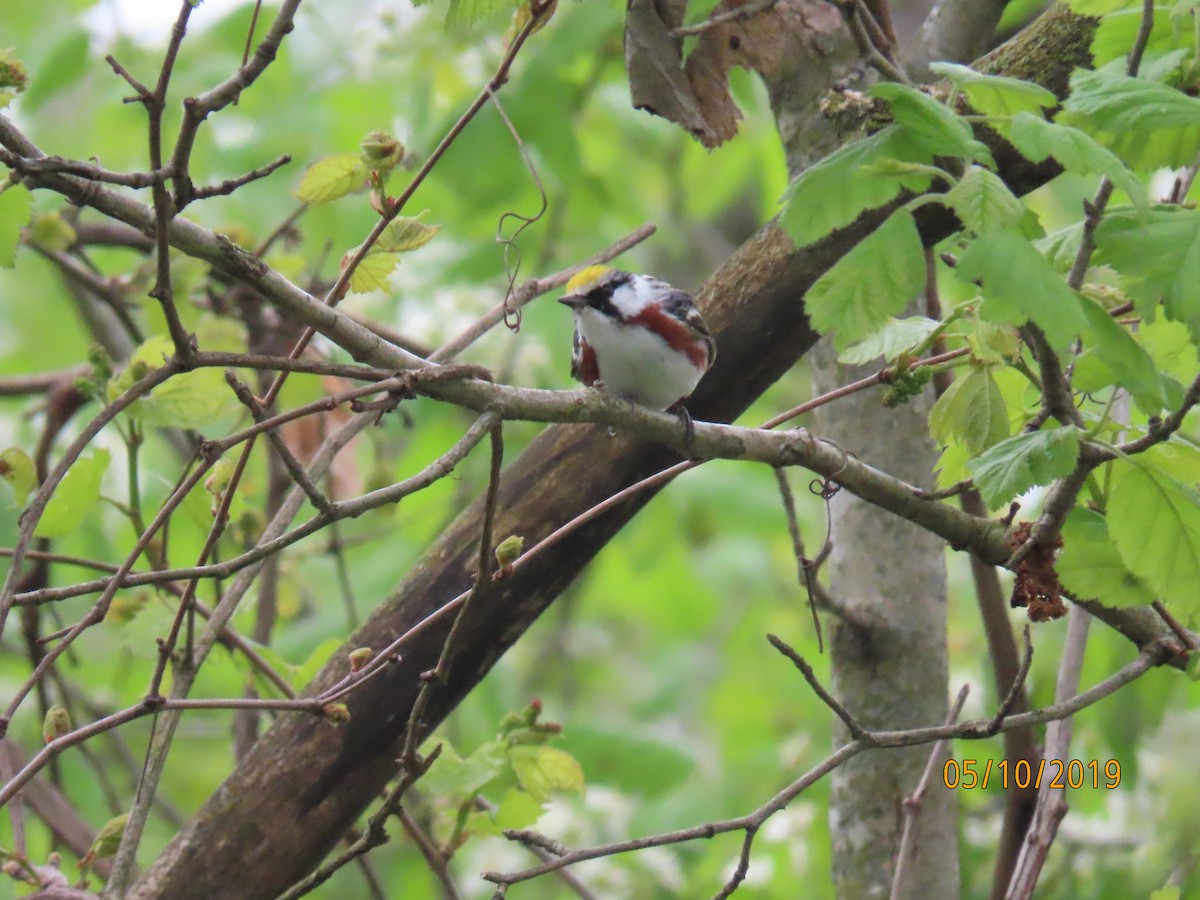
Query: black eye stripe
{"points": [[600, 297]]}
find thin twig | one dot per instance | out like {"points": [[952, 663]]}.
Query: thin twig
{"points": [[856, 731], [230, 185], [374, 835], [1152, 655], [804, 565], [912, 803], [736, 14], [532, 289], [1052, 804], [1016, 691]]}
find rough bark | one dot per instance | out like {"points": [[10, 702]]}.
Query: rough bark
{"points": [[304, 783], [890, 668]]}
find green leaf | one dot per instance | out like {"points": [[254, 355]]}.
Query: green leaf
{"points": [[464, 13], [996, 95], [374, 273], [13, 77], [936, 128], [870, 284], [896, 337], [1130, 364], [1061, 247], [1019, 286], [16, 207], [199, 400], [405, 233], [1155, 521], [544, 771], [1075, 151], [971, 411], [517, 809], [1118, 30], [1149, 125], [1098, 7], [1013, 466], [17, 469], [993, 344], [1158, 256], [75, 495], [302, 674], [331, 178], [835, 191], [1090, 567], [455, 777], [983, 203]]}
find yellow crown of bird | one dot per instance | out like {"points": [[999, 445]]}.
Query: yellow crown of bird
{"points": [[586, 278]]}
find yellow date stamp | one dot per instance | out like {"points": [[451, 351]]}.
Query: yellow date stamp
{"points": [[971, 774]]}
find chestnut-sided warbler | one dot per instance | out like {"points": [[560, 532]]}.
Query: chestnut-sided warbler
{"points": [[637, 337]]}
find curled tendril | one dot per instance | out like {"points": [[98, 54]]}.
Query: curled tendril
{"points": [[512, 252]]}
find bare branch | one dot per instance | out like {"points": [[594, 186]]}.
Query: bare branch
{"points": [[1151, 656], [912, 803]]}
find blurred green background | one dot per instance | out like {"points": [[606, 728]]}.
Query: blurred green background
{"points": [[655, 661]]}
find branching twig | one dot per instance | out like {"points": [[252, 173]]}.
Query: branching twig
{"points": [[375, 833], [1150, 656], [912, 803], [736, 14], [856, 731], [1052, 804]]}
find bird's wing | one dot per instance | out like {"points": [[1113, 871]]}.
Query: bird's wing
{"points": [[681, 305], [583, 361]]}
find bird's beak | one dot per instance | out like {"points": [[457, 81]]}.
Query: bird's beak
{"points": [[575, 301]]}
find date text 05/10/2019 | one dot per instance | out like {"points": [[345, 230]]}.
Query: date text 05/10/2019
{"points": [[1075, 774]]}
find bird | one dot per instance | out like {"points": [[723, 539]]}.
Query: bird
{"points": [[638, 338]]}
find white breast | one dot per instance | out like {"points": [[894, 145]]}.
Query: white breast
{"points": [[635, 363]]}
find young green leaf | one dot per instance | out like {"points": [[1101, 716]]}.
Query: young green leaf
{"points": [[1130, 364], [1013, 466], [75, 495], [1076, 151], [16, 207], [896, 337], [332, 177], [453, 776], [405, 233], [465, 13], [1119, 29], [1019, 285], [936, 128], [517, 809], [835, 191], [1154, 519], [544, 771], [1098, 7], [1061, 247], [13, 77], [374, 273], [1158, 256], [1147, 124], [996, 95], [1090, 567], [200, 400], [17, 469], [871, 283], [983, 203], [971, 411]]}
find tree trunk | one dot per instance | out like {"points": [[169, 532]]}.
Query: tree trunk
{"points": [[889, 666]]}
